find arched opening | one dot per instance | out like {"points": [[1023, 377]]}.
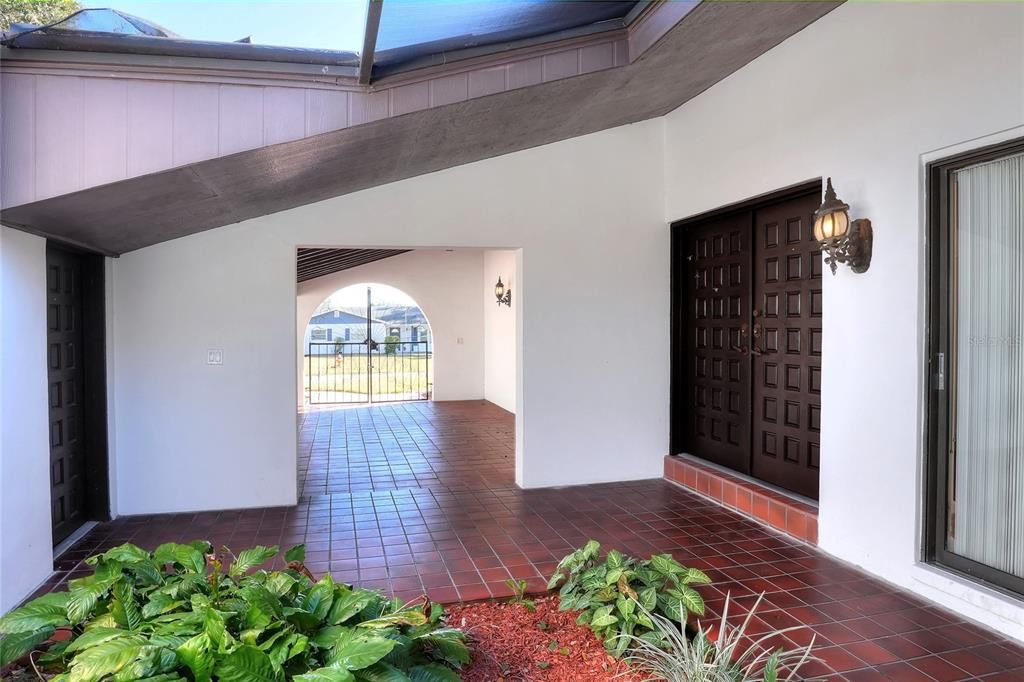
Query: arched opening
{"points": [[367, 343]]}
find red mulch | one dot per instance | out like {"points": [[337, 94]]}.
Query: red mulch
{"points": [[508, 643]]}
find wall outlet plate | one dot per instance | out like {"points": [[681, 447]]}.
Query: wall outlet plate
{"points": [[215, 356]]}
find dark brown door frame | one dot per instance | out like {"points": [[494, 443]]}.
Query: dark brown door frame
{"points": [[939, 329], [94, 378], [680, 432]]}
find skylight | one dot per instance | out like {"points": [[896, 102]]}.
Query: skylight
{"points": [[316, 24], [410, 29], [408, 34]]}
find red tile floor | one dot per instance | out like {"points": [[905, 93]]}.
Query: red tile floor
{"points": [[420, 497]]}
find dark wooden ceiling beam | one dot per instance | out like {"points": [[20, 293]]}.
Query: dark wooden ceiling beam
{"points": [[313, 263], [373, 11]]}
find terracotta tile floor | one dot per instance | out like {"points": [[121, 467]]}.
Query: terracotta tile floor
{"points": [[389, 503]]}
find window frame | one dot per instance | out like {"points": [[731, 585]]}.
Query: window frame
{"points": [[938, 422]]}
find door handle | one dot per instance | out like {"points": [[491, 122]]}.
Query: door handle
{"points": [[742, 348]]}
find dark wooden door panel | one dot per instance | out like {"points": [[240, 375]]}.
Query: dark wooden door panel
{"points": [[716, 290], [786, 350], [64, 340]]}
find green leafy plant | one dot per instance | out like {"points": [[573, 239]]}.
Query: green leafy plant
{"points": [[518, 588], [608, 593], [733, 656], [184, 613], [391, 344]]}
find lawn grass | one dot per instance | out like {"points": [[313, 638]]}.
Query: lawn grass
{"points": [[399, 373]]}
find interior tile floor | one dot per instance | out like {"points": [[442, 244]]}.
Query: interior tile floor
{"points": [[420, 497]]}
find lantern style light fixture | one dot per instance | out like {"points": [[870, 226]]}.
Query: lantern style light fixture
{"points": [[502, 294], [841, 240]]}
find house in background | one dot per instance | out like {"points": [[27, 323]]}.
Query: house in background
{"points": [[666, 161], [339, 326], [407, 323]]}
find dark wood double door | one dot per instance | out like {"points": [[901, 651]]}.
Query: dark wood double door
{"points": [[747, 340]]}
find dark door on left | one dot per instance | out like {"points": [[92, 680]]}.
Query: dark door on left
{"points": [[76, 390]]}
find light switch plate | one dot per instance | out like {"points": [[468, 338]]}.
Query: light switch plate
{"points": [[215, 356]]}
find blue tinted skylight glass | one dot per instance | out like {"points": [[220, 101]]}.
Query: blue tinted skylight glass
{"points": [[318, 24], [411, 28]]}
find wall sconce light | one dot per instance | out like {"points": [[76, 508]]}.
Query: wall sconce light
{"points": [[502, 294], [842, 241]]}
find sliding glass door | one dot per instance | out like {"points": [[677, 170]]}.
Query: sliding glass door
{"points": [[976, 422]]}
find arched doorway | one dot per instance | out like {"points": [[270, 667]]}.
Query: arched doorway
{"points": [[367, 343]]}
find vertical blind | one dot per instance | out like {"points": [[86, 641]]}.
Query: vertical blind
{"points": [[987, 489]]}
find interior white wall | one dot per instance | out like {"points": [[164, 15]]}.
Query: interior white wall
{"points": [[191, 436], [26, 549], [499, 329], [864, 95], [446, 287]]}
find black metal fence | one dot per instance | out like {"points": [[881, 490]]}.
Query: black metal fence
{"points": [[348, 372]]}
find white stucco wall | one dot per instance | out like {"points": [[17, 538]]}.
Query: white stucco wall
{"points": [[26, 549], [192, 436], [446, 287], [865, 95], [500, 329]]}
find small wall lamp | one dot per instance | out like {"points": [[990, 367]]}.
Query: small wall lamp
{"points": [[842, 241], [502, 294]]}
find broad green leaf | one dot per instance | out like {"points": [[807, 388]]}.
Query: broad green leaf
{"points": [[296, 553], [404, 617], [603, 621], [83, 595], [152, 660], [247, 664], [280, 583], [615, 559], [126, 554], [328, 674], [190, 558], [612, 576], [36, 615], [105, 659], [348, 605], [251, 558], [353, 650], [213, 626], [433, 672], [94, 636], [187, 556], [303, 620], [692, 600], [666, 565], [196, 655], [381, 672], [648, 598], [264, 607], [449, 645], [159, 603], [287, 648], [16, 645], [555, 579], [320, 597], [124, 593], [694, 576]]}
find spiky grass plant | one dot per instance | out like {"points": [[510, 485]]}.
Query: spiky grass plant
{"points": [[670, 656]]}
